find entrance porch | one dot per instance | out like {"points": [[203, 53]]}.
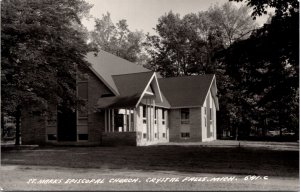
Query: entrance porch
{"points": [[145, 124]]}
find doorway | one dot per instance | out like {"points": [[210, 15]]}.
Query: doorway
{"points": [[66, 125]]}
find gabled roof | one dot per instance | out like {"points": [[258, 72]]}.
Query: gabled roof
{"points": [[187, 91], [129, 82], [105, 65], [130, 88], [133, 83]]}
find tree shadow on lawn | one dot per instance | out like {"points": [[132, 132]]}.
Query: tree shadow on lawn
{"points": [[197, 159]]}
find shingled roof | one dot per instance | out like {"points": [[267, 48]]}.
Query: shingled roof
{"points": [[128, 81], [133, 83], [130, 88], [105, 65], [186, 91]]}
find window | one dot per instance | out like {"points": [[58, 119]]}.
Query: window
{"points": [[83, 110], [144, 114], [164, 135], [144, 111], [163, 116], [144, 135], [205, 121], [210, 114], [155, 115], [131, 121], [155, 135], [83, 90], [82, 77], [185, 116], [185, 135], [51, 119]]}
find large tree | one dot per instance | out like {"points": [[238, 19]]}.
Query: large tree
{"points": [[184, 46], [41, 45], [117, 39], [192, 44], [188, 45], [234, 22], [265, 68]]}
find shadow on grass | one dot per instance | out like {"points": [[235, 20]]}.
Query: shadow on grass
{"points": [[199, 159]]}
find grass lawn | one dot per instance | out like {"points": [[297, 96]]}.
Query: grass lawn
{"points": [[198, 159], [278, 161]]}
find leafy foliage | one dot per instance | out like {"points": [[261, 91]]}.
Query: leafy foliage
{"points": [[256, 69], [188, 45], [281, 7], [117, 39], [266, 68], [41, 44], [234, 23]]}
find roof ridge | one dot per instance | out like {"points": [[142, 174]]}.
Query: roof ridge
{"points": [[101, 50], [212, 74], [134, 73]]}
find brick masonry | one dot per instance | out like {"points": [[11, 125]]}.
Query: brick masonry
{"points": [[119, 138], [195, 125], [95, 118], [33, 127]]}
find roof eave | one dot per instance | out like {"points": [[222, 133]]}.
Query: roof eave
{"points": [[102, 79]]}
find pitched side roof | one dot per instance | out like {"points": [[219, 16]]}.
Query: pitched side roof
{"points": [[187, 91], [130, 87], [117, 102], [165, 103], [133, 83], [105, 65]]}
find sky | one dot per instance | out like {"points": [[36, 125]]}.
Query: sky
{"points": [[143, 14]]}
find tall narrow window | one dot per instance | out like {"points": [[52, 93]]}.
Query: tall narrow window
{"points": [[210, 114], [144, 111], [155, 115], [163, 116], [185, 116], [144, 114], [82, 91]]}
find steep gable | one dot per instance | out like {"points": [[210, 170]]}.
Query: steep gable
{"points": [[187, 91]]}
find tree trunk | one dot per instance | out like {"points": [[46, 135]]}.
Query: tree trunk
{"points": [[2, 125], [236, 133], [280, 132], [18, 120]]}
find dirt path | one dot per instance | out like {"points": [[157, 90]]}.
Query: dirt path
{"points": [[21, 178]]}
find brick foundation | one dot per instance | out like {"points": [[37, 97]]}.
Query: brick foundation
{"points": [[119, 138]]}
